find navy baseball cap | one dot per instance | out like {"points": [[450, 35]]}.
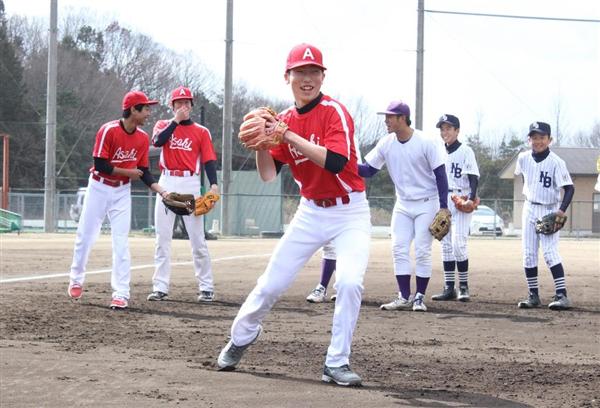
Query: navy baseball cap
{"points": [[539, 127], [449, 119], [396, 108]]}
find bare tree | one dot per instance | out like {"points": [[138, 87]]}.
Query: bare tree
{"points": [[590, 138]]}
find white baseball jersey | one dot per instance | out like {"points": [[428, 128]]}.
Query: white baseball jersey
{"points": [[543, 180], [459, 163], [541, 187], [410, 164]]}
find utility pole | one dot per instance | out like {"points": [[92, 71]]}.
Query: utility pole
{"points": [[50, 169], [227, 122], [420, 52]]}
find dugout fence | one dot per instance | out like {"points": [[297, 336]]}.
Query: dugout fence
{"points": [[269, 214]]}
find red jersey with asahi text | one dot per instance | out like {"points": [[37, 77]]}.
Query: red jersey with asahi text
{"points": [[121, 149], [188, 146], [327, 124]]}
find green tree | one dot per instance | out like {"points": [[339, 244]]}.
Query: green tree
{"points": [[17, 119]]}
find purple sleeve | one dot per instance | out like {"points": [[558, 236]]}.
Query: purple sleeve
{"points": [[442, 185], [365, 170], [567, 197]]}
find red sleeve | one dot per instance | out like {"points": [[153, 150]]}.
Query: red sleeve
{"points": [[158, 127], [340, 131], [102, 144], [207, 151]]}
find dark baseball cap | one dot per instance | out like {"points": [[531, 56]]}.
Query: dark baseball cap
{"points": [[449, 119], [396, 108], [539, 127]]}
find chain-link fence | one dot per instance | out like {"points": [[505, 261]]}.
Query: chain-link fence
{"points": [[253, 214]]}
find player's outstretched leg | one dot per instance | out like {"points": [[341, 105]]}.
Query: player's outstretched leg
{"points": [[341, 376], [231, 354]]}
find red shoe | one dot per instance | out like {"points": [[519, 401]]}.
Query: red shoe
{"points": [[75, 291], [118, 303]]}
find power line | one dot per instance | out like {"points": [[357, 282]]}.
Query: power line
{"points": [[464, 13]]}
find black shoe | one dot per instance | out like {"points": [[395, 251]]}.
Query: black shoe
{"points": [[448, 294], [463, 293], [532, 301], [157, 295]]}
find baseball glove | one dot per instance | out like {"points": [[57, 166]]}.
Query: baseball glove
{"points": [[550, 223], [462, 203], [206, 203], [180, 204], [441, 224], [261, 130]]}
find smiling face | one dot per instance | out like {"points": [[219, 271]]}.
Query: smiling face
{"points": [[539, 141], [448, 133], [306, 82], [140, 117]]}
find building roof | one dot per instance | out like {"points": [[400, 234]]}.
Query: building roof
{"points": [[581, 161]]}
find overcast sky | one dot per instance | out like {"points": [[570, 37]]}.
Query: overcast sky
{"points": [[506, 72]]}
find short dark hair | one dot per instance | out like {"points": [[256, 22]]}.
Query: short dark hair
{"points": [[138, 107]]}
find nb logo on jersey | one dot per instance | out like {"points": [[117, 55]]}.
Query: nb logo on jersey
{"points": [[457, 171], [545, 179]]}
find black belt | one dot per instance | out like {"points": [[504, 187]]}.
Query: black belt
{"points": [[536, 203]]}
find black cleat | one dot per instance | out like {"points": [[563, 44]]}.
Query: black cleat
{"points": [[448, 294], [532, 301]]}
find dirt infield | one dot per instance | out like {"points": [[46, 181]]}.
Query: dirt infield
{"points": [[486, 353]]}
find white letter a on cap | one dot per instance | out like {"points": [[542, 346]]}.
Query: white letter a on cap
{"points": [[308, 54], [182, 91]]}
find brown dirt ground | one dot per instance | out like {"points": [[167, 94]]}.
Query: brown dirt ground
{"points": [[55, 353]]}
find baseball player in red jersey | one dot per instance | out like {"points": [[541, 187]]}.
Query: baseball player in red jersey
{"points": [[120, 155], [319, 148], [185, 146]]}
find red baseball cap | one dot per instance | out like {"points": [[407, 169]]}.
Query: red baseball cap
{"points": [[181, 93], [133, 98], [304, 54]]}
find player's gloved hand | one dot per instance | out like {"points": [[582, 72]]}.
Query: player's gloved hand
{"points": [[206, 203], [180, 204], [441, 224], [550, 223], [261, 130], [464, 204]]}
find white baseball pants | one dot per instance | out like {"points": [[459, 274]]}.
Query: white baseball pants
{"points": [[410, 221], [115, 203], [454, 244], [164, 220], [532, 240], [349, 227]]}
